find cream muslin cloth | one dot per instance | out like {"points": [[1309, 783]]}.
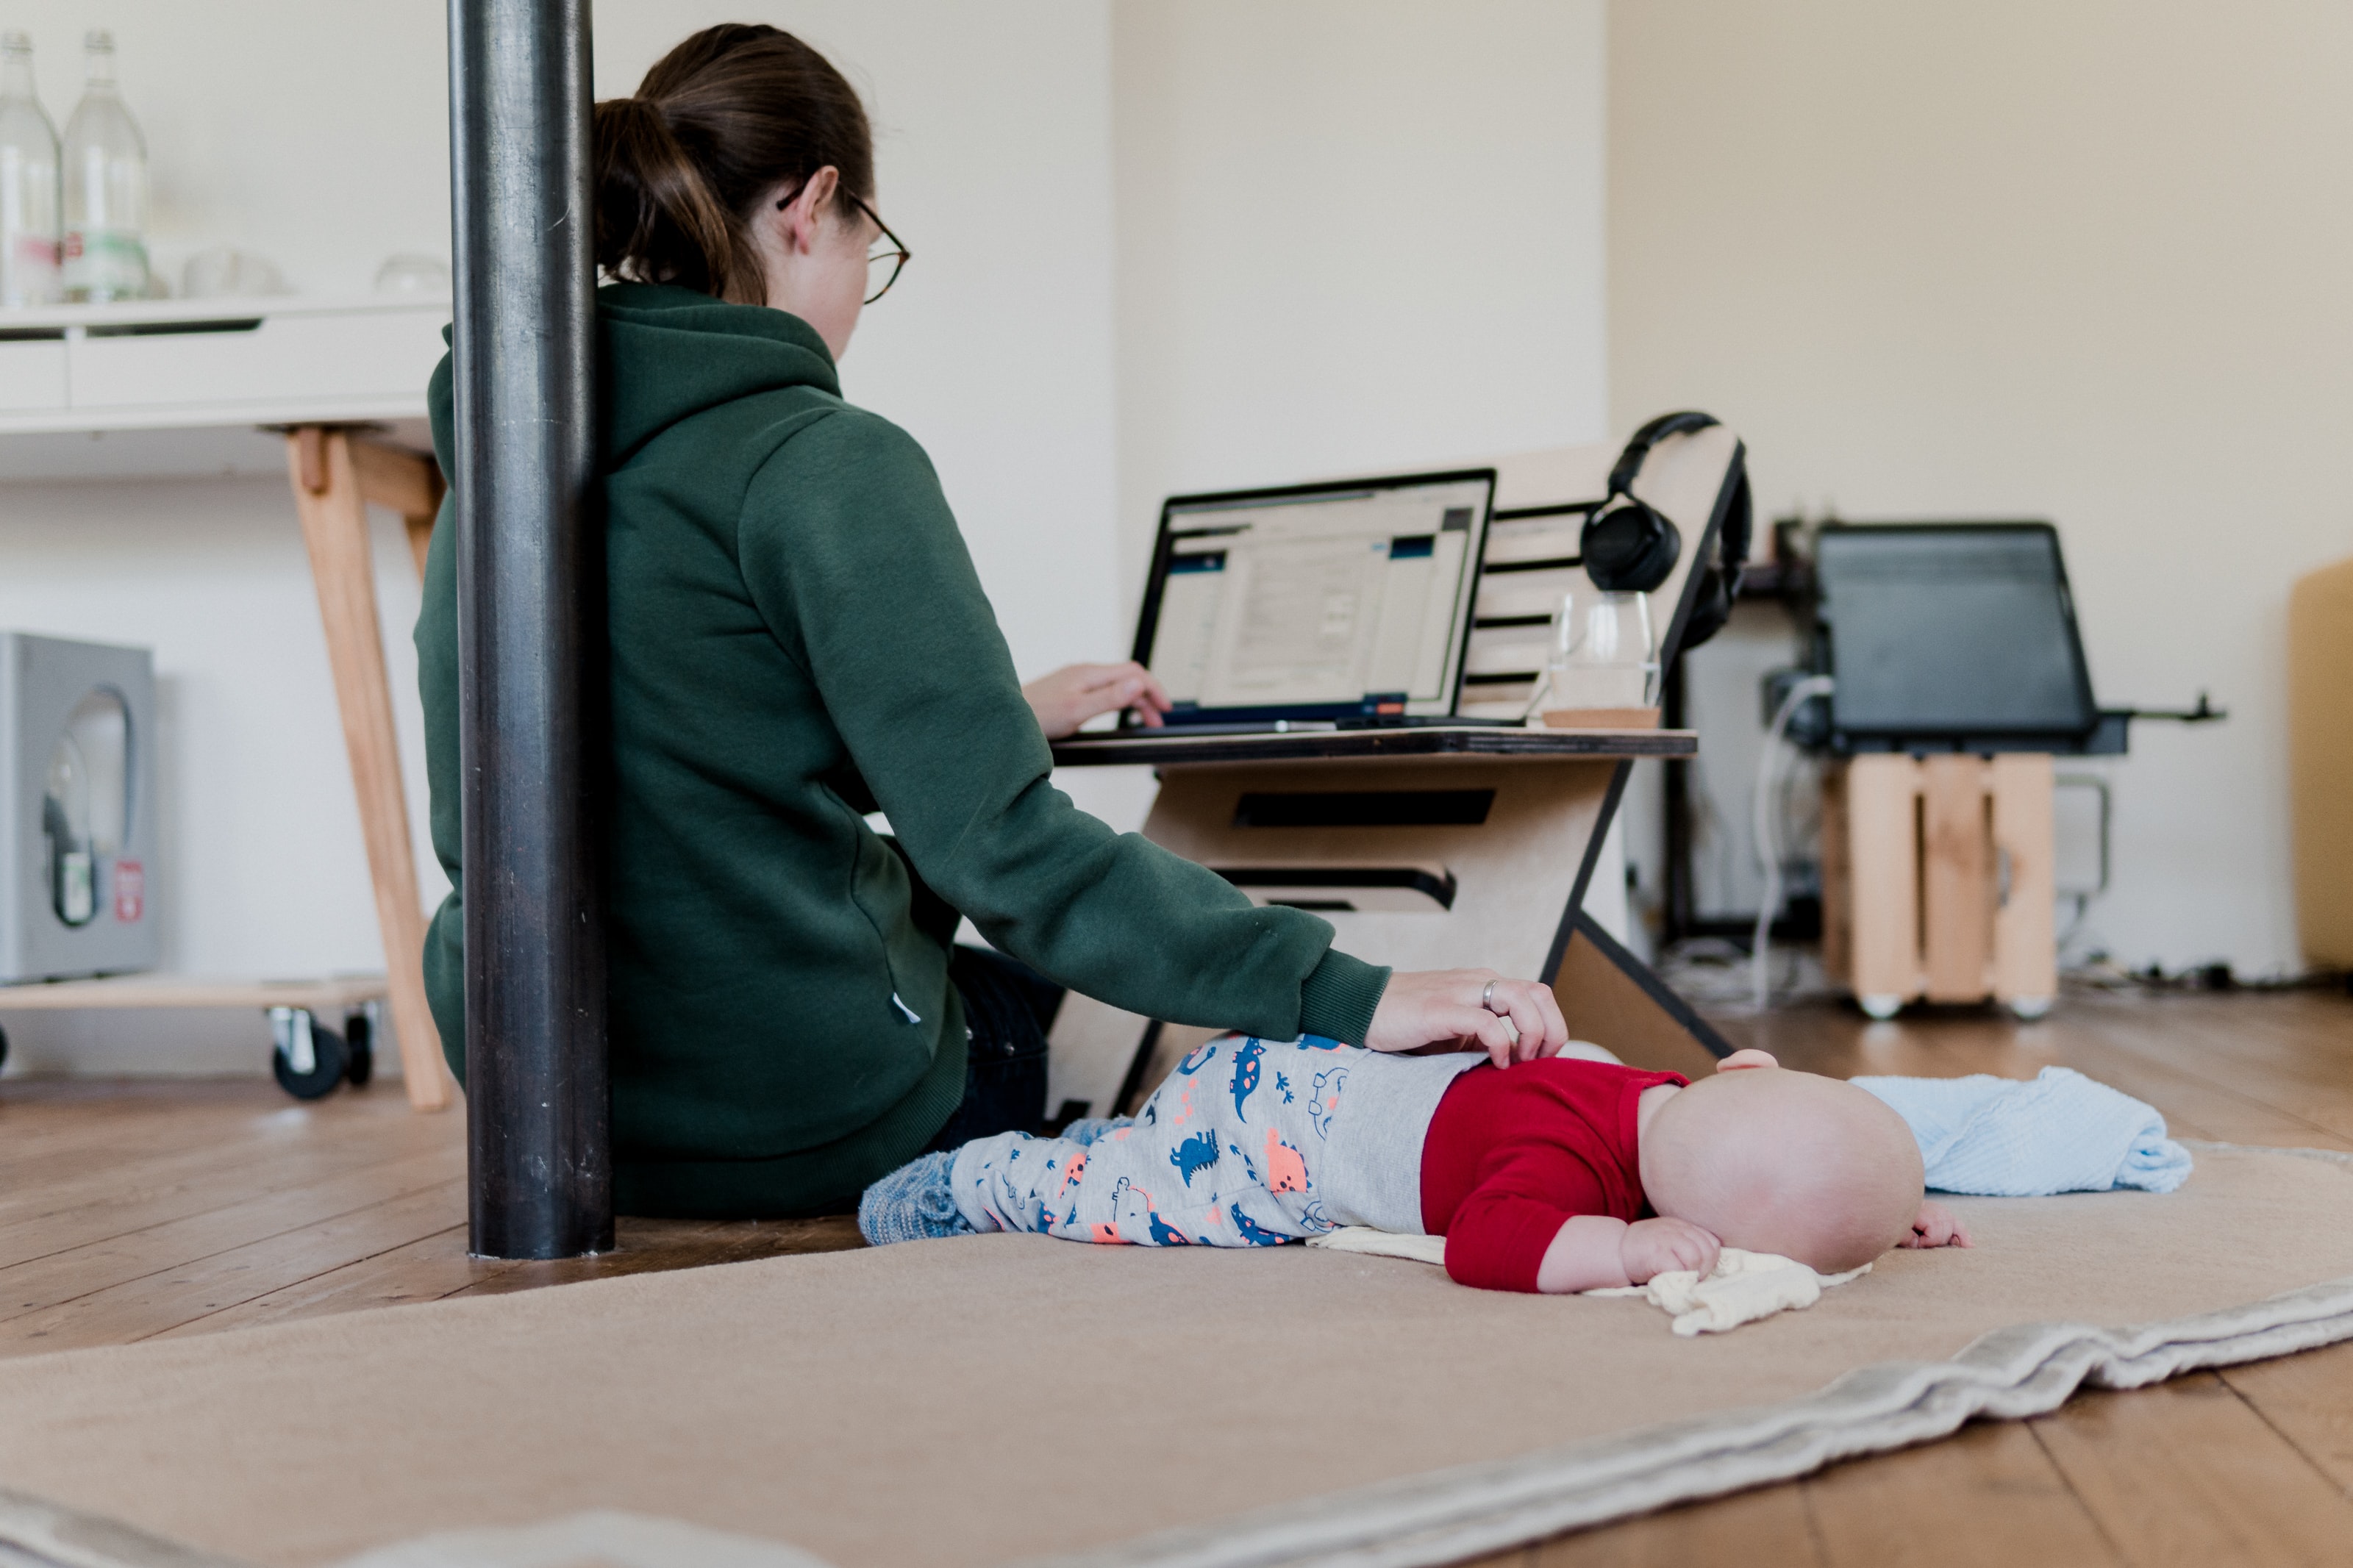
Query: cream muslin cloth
{"points": [[1744, 1287]]}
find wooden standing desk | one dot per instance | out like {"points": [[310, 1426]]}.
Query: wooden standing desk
{"points": [[1444, 847]]}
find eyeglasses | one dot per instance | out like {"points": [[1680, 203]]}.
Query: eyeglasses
{"points": [[884, 261]]}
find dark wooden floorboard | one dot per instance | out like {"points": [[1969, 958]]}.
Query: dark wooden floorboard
{"points": [[425, 1270], [165, 1298], [1988, 1495], [2188, 1473], [646, 1245], [75, 1273], [134, 1210], [2309, 1400]]}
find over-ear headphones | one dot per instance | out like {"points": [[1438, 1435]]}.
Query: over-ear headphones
{"points": [[1629, 546], [1719, 580]]}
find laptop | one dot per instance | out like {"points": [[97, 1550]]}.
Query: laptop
{"points": [[1950, 634], [1338, 605]]}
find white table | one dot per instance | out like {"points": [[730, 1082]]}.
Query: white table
{"points": [[336, 387]]}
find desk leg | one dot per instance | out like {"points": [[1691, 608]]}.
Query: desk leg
{"points": [[2025, 946], [407, 482], [327, 495], [1611, 997]]}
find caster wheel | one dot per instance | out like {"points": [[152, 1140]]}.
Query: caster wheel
{"points": [[359, 1044], [2029, 1008], [1879, 1009], [308, 1058]]}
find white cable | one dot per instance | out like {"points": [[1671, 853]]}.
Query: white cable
{"points": [[1769, 855]]}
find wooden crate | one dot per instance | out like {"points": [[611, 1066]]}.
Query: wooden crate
{"points": [[1938, 880]]}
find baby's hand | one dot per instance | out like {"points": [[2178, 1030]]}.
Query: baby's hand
{"points": [[1935, 1226], [1658, 1245]]}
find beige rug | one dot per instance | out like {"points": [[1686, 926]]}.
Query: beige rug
{"points": [[1003, 1399]]}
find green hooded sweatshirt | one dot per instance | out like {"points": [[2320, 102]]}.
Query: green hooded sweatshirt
{"points": [[797, 639]]}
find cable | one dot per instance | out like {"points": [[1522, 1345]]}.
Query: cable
{"points": [[1768, 856]]}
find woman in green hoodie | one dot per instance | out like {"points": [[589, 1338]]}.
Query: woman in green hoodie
{"points": [[797, 639]]}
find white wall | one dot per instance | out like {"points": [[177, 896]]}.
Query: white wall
{"points": [[1353, 234], [316, 135], [2085, 261]]}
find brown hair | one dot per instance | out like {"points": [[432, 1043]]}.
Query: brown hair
{"points": [[715, 126]]}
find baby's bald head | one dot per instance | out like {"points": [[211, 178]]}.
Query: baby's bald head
{"points": [[1775, 1161]]}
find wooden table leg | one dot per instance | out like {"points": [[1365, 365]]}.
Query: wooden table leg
{"points": [[2025, 941], [328, 496], [1879, 794], [406, 482], [1957, 882]]}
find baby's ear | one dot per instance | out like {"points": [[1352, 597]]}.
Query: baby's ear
{"points": [[1739, 1060]]}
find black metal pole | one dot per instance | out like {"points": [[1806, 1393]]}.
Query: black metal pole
{"points": [[530, 581]]}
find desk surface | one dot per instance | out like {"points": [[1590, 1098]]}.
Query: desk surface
{"points": [[1162, 749]]}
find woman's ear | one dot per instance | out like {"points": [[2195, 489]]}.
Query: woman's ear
{"points": [[1740, 1060], [797, 220]]}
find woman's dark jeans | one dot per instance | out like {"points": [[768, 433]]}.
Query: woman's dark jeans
{"points": [[1008, 1007]]}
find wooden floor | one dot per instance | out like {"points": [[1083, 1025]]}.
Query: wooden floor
{"points": [[134, 1210], [129, 1211]]}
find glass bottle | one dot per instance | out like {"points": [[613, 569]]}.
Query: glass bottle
{"points": [[28, 182], [106, 188]]}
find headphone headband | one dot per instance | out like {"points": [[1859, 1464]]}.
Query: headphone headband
{"points": [[1638, 445]]}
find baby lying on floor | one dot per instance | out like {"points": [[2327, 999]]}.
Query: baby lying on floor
{"points": [[1556, 1174]]}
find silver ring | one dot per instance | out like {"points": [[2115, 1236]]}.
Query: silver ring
{"points": [[1487, 998]]}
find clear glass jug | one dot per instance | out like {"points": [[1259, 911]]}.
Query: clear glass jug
{"points": [[1603, 655]]}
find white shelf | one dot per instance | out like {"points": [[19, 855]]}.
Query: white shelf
{"points": [[170, 386], [149, 991]]}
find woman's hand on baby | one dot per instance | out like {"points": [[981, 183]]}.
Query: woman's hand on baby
{"points": [[1078, 692], [1935, 1226], [1441, 1008], [1653, 1246]]}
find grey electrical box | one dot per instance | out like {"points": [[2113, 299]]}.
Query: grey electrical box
{"points": [[78, 802]]}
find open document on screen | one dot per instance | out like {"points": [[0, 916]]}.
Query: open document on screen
{"points": [[1325, 603]]}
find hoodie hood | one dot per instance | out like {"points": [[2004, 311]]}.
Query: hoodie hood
{"points": [[666, 354]]}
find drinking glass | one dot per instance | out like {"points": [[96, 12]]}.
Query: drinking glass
{"points": [[1602, 654]]}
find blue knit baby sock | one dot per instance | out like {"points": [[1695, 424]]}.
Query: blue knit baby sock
{"points": [[912, 1202], [1088, 1128]]}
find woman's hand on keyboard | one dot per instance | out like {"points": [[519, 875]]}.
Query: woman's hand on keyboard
{"points": [[1078, 692]]}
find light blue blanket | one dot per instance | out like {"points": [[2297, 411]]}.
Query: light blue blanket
{"points": [[2061, 1133]]}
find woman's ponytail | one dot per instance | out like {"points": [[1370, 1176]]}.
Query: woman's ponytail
{"points": [[718, 123], [657, 219]]}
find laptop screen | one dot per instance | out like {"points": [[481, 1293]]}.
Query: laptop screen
{"points": [[1316, 602], [1950, 630]]}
